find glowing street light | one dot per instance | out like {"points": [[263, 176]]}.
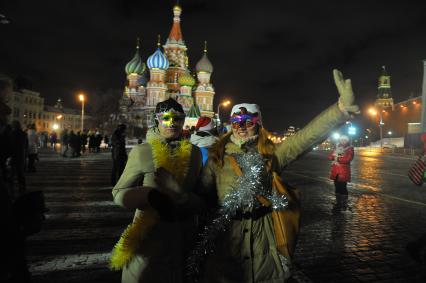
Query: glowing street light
{"points": [[55, 126], [224, 103], [336, 136], [352, 130], [390, 133], [372, 111], [82, 98]]}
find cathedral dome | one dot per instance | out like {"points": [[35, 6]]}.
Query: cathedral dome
{"points": [[204, 65], [186, 80], [158, 61], [136, 65]]}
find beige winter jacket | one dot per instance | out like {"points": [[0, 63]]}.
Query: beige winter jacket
{"points": [[247, 251], [162, 253]]}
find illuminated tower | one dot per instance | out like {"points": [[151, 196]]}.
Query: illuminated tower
{"points": [[175, 51], [135, 89], [204, 92], [384, 95], [156, 88]]}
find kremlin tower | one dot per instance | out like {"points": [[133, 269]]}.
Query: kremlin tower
{"points": [[169, 76], [384, 95]]}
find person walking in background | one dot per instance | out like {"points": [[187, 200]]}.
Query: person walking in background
{"points": [[53, 140], [83, 138], [65, 142], [43, 140], [119, 154], [98, 141], [340, 171], [91, 136], [205, 136], [14, 268], [106, 140], [74, 141], [78, 144], [32, 147], [19, 155]]}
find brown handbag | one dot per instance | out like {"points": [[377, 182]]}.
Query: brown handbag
{"points": [[286, 222]]}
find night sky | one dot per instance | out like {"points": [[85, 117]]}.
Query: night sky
{"points": [[278, 54]]}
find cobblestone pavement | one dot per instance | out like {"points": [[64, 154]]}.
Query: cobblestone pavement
{"points": [[82, 224], [366, 243]]}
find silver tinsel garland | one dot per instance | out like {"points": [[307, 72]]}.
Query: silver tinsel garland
{"points": [[254, 181]]}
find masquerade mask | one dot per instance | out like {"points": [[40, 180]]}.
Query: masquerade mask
{"points": [[170, 118], [244, 121]]}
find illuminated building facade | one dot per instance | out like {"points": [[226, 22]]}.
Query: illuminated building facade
{"points": [[28, 108]]}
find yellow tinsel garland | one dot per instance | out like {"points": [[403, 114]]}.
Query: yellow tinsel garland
{"points": [[176, 161]]}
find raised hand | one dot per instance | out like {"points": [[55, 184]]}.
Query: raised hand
{"points": [[347, 97]]}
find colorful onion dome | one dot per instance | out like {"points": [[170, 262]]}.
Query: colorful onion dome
{"points": [[158, 61], [186, 80], [204, 65], [136, 65]]}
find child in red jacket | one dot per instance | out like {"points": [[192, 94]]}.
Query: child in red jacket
{"points": [[341, 169]]}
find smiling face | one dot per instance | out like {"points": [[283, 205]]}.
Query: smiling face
{"points": [[170, 124], [244, 126]]}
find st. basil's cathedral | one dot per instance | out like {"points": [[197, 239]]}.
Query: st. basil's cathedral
{"points": [[169, 76]]}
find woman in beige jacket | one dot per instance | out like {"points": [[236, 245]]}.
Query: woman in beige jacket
{"points": [[245, 249]]}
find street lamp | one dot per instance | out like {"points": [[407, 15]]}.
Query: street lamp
{"points": [[58, 125], [81, 97], [225, 103], [336, 136], [390, 133]]}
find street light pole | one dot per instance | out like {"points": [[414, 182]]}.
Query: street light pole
{"points": [[82, 98], [218, 115], [381, 129]]}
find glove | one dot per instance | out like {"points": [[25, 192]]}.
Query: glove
{"points": [[166, 182], [162, 204], [346, 99]]}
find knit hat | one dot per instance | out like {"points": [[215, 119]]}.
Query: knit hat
{"points": [[204, 124], [248, 109]]}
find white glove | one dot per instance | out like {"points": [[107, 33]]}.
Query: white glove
{"points": [[346, 99]]}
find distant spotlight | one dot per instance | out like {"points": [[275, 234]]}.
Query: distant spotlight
{"points": [[336, 136], [55, 126], [390, 133], [366, 137]]}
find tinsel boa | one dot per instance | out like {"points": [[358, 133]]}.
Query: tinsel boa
{"points": [[254, 182], [176, 161]]}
